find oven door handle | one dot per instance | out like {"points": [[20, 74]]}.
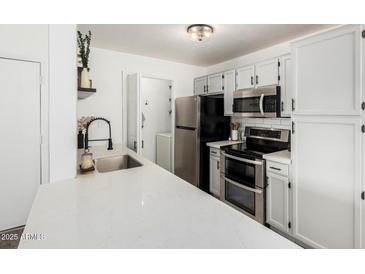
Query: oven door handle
{"points": [[258, 191], [242, 159], [262, 104]]}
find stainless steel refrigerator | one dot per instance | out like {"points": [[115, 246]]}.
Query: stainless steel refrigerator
{"points": [[198, 120]]}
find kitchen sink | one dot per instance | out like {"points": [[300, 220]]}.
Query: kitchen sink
{"points": [[114, 163]]}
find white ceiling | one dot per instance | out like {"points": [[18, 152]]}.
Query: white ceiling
{"points": [[171, 42]]}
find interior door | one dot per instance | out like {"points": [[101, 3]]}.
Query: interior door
{"points": [[133, 119], [155, 113], [267, 73], [20, 162], [245, 77]]}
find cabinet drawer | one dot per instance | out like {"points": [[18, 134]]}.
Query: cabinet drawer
{"points": [[215, 152], [278, 168]]}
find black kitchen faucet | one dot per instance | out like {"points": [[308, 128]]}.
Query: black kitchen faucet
{"points": [[110, 143]]}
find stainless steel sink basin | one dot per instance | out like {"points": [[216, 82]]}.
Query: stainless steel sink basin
{"points": [[109, 164]]}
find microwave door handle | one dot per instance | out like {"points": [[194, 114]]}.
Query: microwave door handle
{"points": [[262, 104]]}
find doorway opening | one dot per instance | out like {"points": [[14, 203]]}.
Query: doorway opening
{"points": [[149, 118]]}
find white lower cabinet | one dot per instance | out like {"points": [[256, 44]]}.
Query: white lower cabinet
{"points": [[214, 174], [277, 200], [326, 154]]}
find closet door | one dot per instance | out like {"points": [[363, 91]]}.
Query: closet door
{"points": [[326, 155], [20, 161], [327, 73]]}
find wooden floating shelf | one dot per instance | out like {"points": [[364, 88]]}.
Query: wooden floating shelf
{"points": [[83, 93]]}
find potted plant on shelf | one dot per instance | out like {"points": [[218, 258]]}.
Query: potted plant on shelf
{"points": [[83, 42]]}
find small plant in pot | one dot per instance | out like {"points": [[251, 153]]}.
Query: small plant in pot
{"points": [[83, 42]]}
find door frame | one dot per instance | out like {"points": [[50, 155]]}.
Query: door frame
{"points": [[139, 105], [44, 118]]}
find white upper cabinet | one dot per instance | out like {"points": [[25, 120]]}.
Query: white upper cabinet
{"points": [[215, 83], [326, 154], [245, 77], [229, 83], [327, 72], [286, 84], [267, 73], [277, 201], [200, 85]]}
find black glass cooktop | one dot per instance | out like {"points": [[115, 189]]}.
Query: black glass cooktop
{"points": [[241, 150]]}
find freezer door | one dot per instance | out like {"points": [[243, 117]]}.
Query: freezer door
{"points": [[186, 111], [187, 155]]}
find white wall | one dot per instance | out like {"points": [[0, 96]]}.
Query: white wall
{"points": [[63, 98], [32, 42], [106, 70]]}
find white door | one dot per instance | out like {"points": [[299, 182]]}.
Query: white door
{"points": [[200, 85], [326, 181], [133, 119], [277, 201], [155, 113], [20, 167], [286, 84], [245, 77], [327, 73], [229, 87], [215, 83], [214, 176], [267, 73]]}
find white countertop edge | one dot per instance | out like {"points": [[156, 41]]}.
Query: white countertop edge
{"points": [[283, 157]]}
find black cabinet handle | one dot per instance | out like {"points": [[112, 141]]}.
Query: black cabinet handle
{"points": [[251, 80], [257, 79], [217, 164], [275, 168]]}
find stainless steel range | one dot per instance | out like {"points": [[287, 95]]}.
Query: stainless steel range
{"points": [[243, 173]]}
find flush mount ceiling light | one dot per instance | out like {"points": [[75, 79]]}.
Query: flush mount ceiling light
{"points": [[199, 32]]}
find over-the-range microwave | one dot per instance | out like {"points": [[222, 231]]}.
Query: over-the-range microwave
{"points": [[258, 102]]}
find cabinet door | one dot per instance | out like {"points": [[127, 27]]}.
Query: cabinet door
{"points": [[229, 88], [267, 73], [214, 180], [215, 83], [200, 85], [286, 84], [245, 77], [277, 201], [326, 181], [327, 73]]}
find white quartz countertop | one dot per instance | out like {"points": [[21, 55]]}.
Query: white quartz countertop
{"points": [[144, 207], [219, 144], [280, 157]]}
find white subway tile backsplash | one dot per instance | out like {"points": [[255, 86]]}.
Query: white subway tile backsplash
{"points": [[286, 121], [272, 121]]}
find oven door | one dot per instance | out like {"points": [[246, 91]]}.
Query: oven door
{"points": [[250, 201], [264, 102], [250, 173]]}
